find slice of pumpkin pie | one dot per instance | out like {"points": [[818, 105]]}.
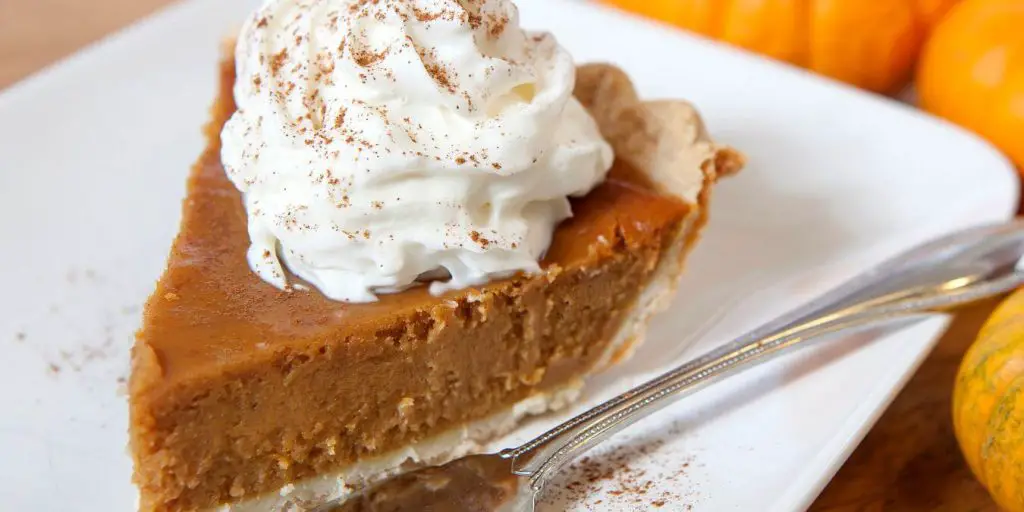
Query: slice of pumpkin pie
{"points": [[414, 225]]}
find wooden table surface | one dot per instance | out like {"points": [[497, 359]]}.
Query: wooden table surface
{"points": [[908, 463]]}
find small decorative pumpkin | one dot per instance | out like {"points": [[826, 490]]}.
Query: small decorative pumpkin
{"points": [[972, 72], [988, 405], [868, 43]]}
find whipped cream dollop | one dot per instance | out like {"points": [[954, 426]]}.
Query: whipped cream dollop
{"points": [[377, 142]]}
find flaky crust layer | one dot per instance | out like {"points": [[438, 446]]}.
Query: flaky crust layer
{"points": [[666, 139]]}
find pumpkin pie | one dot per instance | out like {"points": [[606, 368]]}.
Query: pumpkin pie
{"points": [[245, 395]]}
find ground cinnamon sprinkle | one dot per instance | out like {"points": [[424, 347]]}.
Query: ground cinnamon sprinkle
{"points": [[479, 239], [472, 12], [277, 61], [616, 480], [425, 16], [495, 25], [366, 58], [440, 75]]}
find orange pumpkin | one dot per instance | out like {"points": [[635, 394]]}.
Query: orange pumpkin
{"points": [[933, 11], [868, 43], [988, 405], [972, 72]]}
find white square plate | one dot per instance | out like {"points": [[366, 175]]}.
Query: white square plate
{"points": [[93, 158]]}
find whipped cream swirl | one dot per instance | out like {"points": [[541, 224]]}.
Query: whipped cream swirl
{"points": [[380, 141]]}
